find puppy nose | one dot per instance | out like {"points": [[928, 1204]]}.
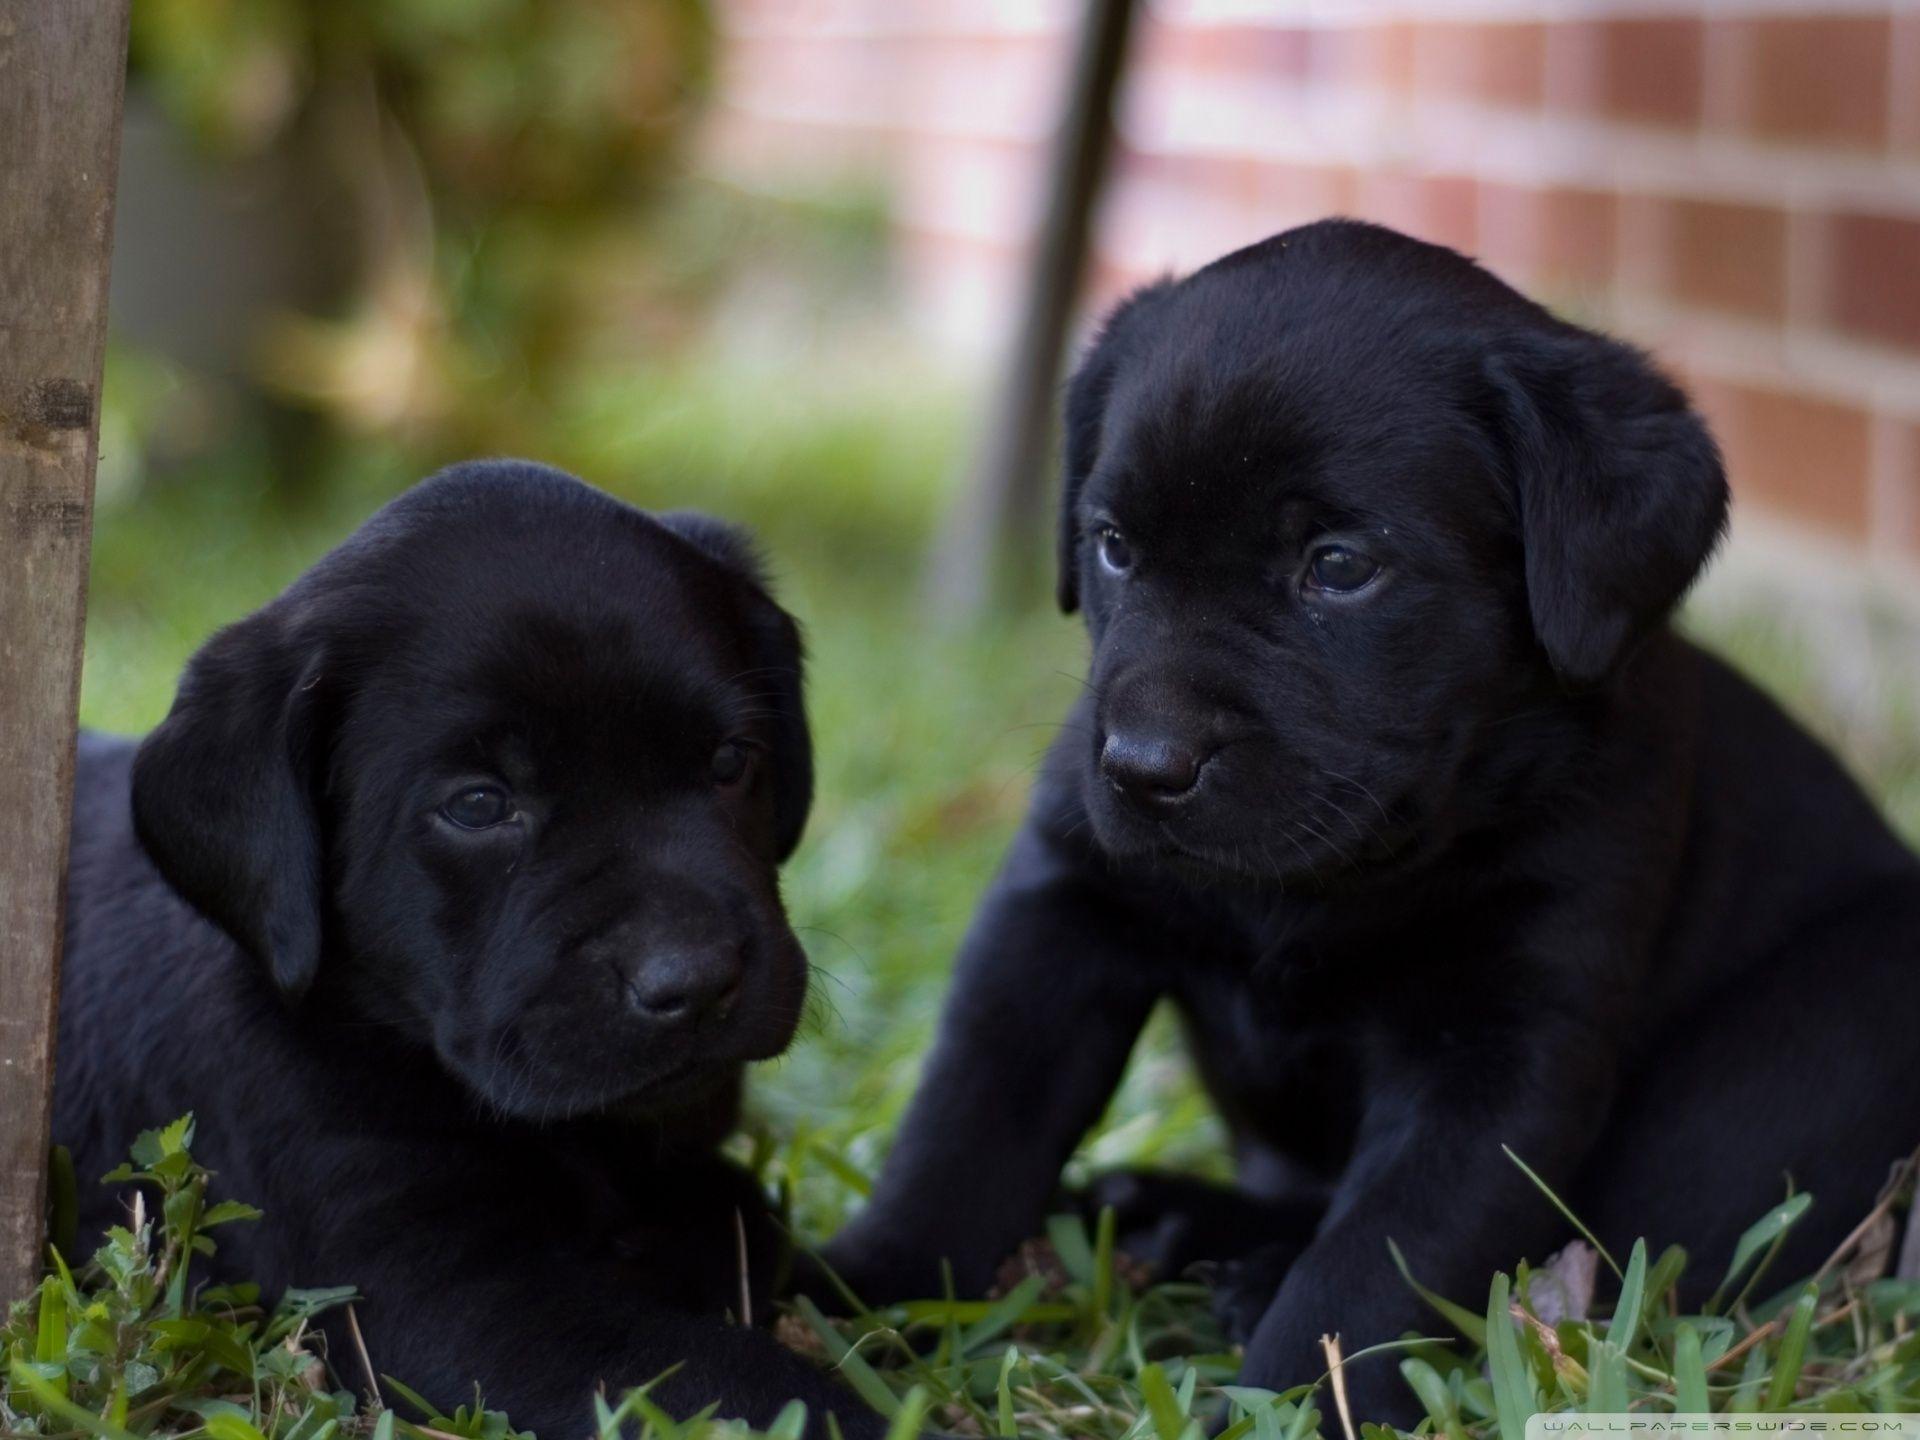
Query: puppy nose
{"points": [[685, 987], [1151, 769]]}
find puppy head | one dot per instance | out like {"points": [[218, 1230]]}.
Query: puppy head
{"points": [[510, 771], [1347, 515]]}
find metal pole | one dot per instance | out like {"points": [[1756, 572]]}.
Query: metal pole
{"points": [[989, 550]]}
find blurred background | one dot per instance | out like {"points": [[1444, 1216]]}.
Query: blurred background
{"points": [[767, 257]]}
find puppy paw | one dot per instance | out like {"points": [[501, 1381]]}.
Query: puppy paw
{"points": [[808, 1275], [827, 1276], [1153, 1217], [1173, 1222], [1243, 1289], [876, 1269]]}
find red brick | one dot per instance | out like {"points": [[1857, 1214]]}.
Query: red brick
{"points": [[1131, 165], [1437, 208], [1502, 64], [1556, 237], [1581, 230], [1818, 79], [1512, 230], [1376, 57], [1227, 179], [1295, 194], [1874, 286], [1904, 79], [1793, 456], [1279, 51], [1453, 212], [1647, 70], [1728, 257], [1391, 197], [1332, 55], [1906, 501]]}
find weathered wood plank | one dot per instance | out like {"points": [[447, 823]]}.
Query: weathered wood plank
{"points": [[62, 77]]}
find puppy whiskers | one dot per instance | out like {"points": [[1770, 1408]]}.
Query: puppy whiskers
{"points": [[1348, 780], [859, 955], [1082, 681], [1305, 854]]}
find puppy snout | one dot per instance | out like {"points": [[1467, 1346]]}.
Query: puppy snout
{"points": [[1152, 770], [686, 987]]}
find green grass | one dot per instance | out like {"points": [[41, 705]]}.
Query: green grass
{"points": [[136, 1346], [926, 739]]}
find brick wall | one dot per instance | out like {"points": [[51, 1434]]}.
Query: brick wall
{"points": [[1734, 183]]}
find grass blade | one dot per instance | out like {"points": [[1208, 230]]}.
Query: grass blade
{"points": [[848, 1361], [50, 1338], [1606, 1378], [24, 1378], [1003, 1392], [1689, 1372], [977, 1313], [428, 1411], [1068, 1237], [1753, 1379], [842, 1169], [1793, 1350], [1759, 1236], [1665, 1272], [1002, 1313], [1462, 1319], [1626, 1314], [1513, 1396], [1103, 1243], [63, 1200], [1169, 1422], [1426, 1382], [906, 1421], [1561, 1205]]}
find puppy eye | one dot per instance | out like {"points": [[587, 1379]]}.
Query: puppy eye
{"points": [[479, 808], [1115, 553], [1340, 570], [730, 762]]}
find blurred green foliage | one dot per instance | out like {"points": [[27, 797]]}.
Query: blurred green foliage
{"points": [[483, 167], [511, 104]]}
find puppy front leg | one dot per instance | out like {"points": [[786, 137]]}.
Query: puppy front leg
{"points": [[1429, 1175], [538, 1335], [1050, 992]]}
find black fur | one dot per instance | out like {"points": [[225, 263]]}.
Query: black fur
{"points": [[425, 1050], [1476, 853]]}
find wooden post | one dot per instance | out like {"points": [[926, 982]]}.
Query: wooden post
{"points": [[63, 67], [990, 546]]}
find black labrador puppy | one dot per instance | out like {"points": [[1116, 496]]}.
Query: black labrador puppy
{"points": [[1391, 775], [445, 897]]}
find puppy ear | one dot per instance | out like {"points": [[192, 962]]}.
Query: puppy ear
{"points": [[779, 660], [732, 545], [223, 794], [779, 664], [1085, 414], [1620, 490]]}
